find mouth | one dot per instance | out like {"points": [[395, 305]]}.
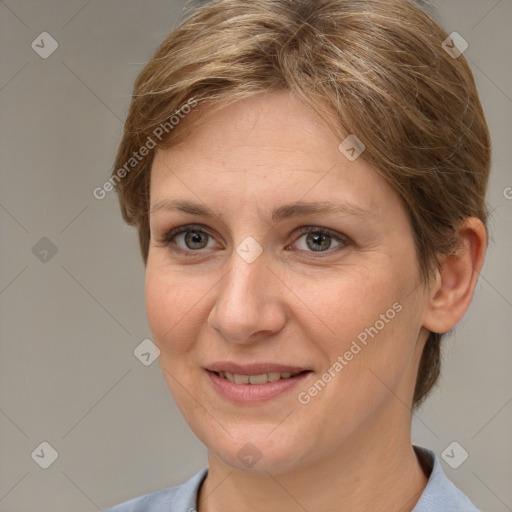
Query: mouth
{"points": [[254, 383], [261, 378]]}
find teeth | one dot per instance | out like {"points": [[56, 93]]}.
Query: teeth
{"points": [[258, 379], [262, 378], [241, 379]]}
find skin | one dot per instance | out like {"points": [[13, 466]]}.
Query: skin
{"points": [[350, 446]]}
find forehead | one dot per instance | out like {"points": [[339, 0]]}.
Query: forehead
{"points": [[265, 150], [278, 120]]}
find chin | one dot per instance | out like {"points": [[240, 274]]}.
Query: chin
{"points": [[257, 453]]}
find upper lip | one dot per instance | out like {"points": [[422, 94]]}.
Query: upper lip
{"points": [[253, 369]]}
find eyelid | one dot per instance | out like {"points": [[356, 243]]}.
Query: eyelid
{"points": [[326, 231], [174, 232], [339, 237], [167, 238]]}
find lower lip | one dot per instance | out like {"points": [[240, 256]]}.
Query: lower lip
{"points": [[250, 393]]}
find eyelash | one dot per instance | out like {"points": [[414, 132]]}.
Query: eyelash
{"points": [[167, 239]]}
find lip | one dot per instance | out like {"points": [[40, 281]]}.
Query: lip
{"points": [[253, 369], [253, 393]]}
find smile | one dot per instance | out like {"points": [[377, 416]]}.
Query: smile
{"points": [[262, 378], [254, 384]]}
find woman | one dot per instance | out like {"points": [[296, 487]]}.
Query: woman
{"points": [[308, 180]]}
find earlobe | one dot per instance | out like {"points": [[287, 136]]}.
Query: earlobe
{"points": [[452, 290]]}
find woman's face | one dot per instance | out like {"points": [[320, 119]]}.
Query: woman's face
{"points": [[254, 288]]}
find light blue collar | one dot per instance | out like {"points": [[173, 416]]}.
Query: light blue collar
{"points": [[440, 494]]}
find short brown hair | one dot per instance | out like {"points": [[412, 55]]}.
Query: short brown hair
{"points": [[376, 68]]}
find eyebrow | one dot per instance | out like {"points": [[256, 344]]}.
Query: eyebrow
{"points": [[286, 211]]}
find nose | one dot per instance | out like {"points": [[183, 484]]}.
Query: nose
{"points": [[248, 305]]}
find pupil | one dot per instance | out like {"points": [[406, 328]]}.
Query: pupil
{"points": [[318, 240], [193, 238]]}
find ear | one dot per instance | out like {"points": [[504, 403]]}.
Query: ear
{"points": [[452, 288]]}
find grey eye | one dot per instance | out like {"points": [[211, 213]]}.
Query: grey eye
{"points": [[316, 241], [194, 239]]}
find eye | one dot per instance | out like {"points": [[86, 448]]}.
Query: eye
{"points": [[186, 239], [191, 239], [317, 239]]}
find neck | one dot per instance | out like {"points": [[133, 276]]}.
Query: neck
{"points": [[361, 475]]}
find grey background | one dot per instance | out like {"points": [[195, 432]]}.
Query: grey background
{"points": [[69, 325]]}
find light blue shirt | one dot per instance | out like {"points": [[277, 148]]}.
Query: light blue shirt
{"points": [[440, 494]]}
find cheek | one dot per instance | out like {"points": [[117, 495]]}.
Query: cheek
{"points": [[353, 302], [370, 319], [157, 303], [170, 310]]}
